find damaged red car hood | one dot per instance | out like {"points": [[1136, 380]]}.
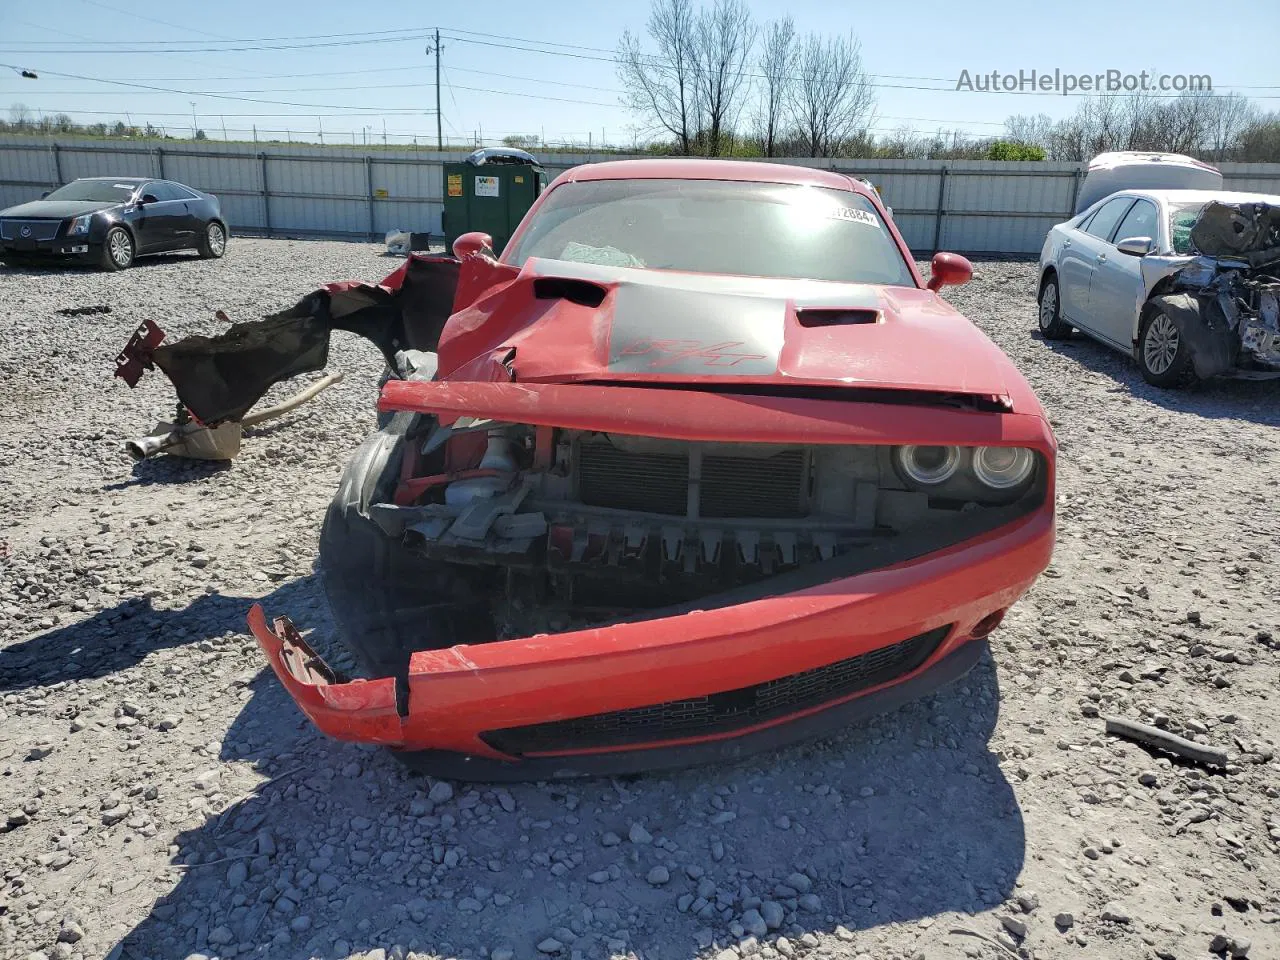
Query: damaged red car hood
{"points": [[569, 322]]}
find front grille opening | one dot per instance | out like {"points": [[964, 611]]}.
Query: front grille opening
{"points": [[773, 487], [652, 482], [725, 712]]}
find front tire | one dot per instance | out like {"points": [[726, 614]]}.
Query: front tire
{"points": [[1163, 354], [117, 249], [213, 242], [1052, 326]]}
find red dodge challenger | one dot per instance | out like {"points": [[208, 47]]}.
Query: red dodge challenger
{"points": [[699, 465]]}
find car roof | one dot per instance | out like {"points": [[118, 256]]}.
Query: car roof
{"points": [[1201, 196], [120, 179], [692, 168]]}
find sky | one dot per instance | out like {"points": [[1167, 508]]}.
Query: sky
{"points": [[350, 72]]}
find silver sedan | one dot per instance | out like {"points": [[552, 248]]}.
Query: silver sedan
{"points": [[1111, 272]]}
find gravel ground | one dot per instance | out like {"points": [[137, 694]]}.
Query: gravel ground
{"points": [[160, 797]]}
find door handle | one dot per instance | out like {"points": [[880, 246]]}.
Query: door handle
{"points": [[1066, 243], [1102, 258]]}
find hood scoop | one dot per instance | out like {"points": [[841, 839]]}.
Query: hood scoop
{"points": [[836, 316], [582, 292]]}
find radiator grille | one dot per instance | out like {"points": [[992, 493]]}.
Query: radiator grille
{"points": [[754, 487], [774, 486], [609, 477], [722, 712], [36, 229]]}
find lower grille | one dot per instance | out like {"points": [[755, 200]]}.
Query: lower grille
{"points": [[770, 487], [35, 229], [754, 486], [653, 482], [722, 712]]}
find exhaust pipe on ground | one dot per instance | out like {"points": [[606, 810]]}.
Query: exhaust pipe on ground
{"points": [[195, 441], [192, 440]]}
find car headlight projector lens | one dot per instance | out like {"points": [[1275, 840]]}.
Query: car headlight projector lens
{"points": [[928, 466], [1002, 468], [81, 224]]}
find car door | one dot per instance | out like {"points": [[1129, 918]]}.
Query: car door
{"points": [[159, 223], [1117, 288], [192, 225], [1080, 258]]}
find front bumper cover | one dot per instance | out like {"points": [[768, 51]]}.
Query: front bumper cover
{"points": [[450, 697], [63, 248]]}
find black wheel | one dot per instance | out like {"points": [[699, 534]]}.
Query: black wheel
{"points": [[1052, 326], [1164, 355], [117, 249], [213, 242]]}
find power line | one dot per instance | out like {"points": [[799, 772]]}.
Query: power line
{"points": [[222, 96], [655, 63], [419, 33], [140, 16], [451, 87], [222, 113], [320, 40], [372, 37]]}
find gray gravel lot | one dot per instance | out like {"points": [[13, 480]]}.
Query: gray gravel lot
{"points": [[161, 797]]}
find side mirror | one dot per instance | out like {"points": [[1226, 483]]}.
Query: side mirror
{"points": [[148, 198], [45, 194], [1136, 246], [472, 243], [949, 269]]}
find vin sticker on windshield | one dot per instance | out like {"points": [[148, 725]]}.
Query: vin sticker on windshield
{"points": [[854, 215], [122, 186]]}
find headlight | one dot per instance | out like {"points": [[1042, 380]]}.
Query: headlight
{"points": [[927, 466], [1003, 468], [80, 224]]}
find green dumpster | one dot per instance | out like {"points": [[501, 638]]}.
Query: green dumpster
{"points": [[490, 191]]}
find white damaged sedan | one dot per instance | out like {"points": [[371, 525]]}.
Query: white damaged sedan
{"points": [[1184, 281]]}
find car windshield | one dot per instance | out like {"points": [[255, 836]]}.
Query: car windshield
{"points": [[1182, 217], [113, 190], [716, 226]]}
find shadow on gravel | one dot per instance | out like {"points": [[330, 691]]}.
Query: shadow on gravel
{"points": [[898, 820], [116, 639], [169, 470], [1252, 400]]}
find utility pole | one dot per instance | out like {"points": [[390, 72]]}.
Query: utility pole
{"points": [[384, 131], [439, 123], [193, 119]]}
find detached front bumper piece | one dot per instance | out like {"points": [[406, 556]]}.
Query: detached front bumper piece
{"points": [[695, 686]]}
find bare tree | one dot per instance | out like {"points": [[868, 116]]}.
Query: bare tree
{"points": [[1228, 117], [1260, 140], [663, 86], [1030, 129], [725, 36], [833, 97], [777, 67], [20, 116]]}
